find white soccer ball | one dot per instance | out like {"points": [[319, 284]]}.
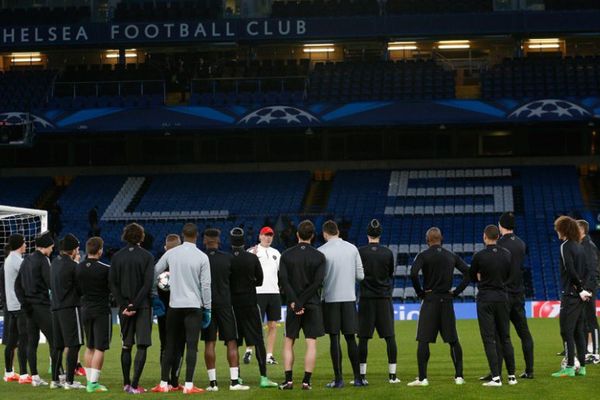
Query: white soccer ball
{"points": [[163, 281], [563, 363]]}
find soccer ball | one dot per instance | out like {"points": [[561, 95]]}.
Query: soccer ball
{"points": [[163, 281], [563, 363]]}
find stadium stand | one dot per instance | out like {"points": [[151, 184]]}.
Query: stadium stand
{"points": [[322, 8], [25, 90], [133, 10], [102, 85], [459, 201], [383, 80], [42, 15], [543, 77], [438, 6], [552, 5], [251, 82], [22, 192]]}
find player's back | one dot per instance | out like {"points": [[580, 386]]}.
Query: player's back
{"points": [[130, 265], [63, 283], [35, 278], [302, 263], [491, 268], [378, 264], [518, 251], [220, 275], [438, 268], [92, 277], [246, 275], [342, 262]]}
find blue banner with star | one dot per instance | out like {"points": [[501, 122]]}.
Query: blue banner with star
{"points": [[368, 113]]}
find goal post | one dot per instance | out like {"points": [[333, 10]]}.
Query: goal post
{"points": [[28, 222]]}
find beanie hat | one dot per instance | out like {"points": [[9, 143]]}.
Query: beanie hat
{"points": [[507, 221], [212, 232], [44, 240], [69, 243]]}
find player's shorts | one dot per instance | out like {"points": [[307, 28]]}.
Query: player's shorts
{"points": [[249, 324], [571, 317], [311, 322], [98, 331], [137, 329], [375, 314], [270, 306], [340, 316], [7, 316], [67, 328], [15, 329], [222, 321], [437, 316]]}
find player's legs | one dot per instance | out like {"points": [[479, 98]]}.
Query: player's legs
{"points": [[353, 355], [423, 355], [288, 358], [363, 353], [392, 353], [580, 342], [519, 320], [502, 317], [174, 325], [456, 354], [12, 339], [568, 322], [271, 336], [592, 328], [192, 322], [487, 328], [22, 345], [335, 351], [233, 358], [143, 332], [310, 358]]}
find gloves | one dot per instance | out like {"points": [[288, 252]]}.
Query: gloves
{"points": [[206, 318], [158, 308], [584, 295]]}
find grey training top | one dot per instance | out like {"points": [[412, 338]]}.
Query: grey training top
{"points": [[12, 264], [189, 276], [342, 271]]}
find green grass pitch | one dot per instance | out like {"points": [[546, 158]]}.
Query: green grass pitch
{"points": [[545, 333]]}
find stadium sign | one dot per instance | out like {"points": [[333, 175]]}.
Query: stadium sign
{"points": [[229, 30]]}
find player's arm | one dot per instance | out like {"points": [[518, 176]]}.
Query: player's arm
{"points": [[159, 268], [474, 270], [205, 279], [569, 263], [75, 280], [45, 271], [590, 267], [144, 292], [284, 281], [360, 271], [414, 274], [115, 285], [258, 273], [19, 290], [313, 288], [462, 266]]}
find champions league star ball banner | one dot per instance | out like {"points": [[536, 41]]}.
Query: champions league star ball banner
{"points": [[104, 118]]}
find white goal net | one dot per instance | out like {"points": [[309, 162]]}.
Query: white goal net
{"points": [[26, 221]]}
